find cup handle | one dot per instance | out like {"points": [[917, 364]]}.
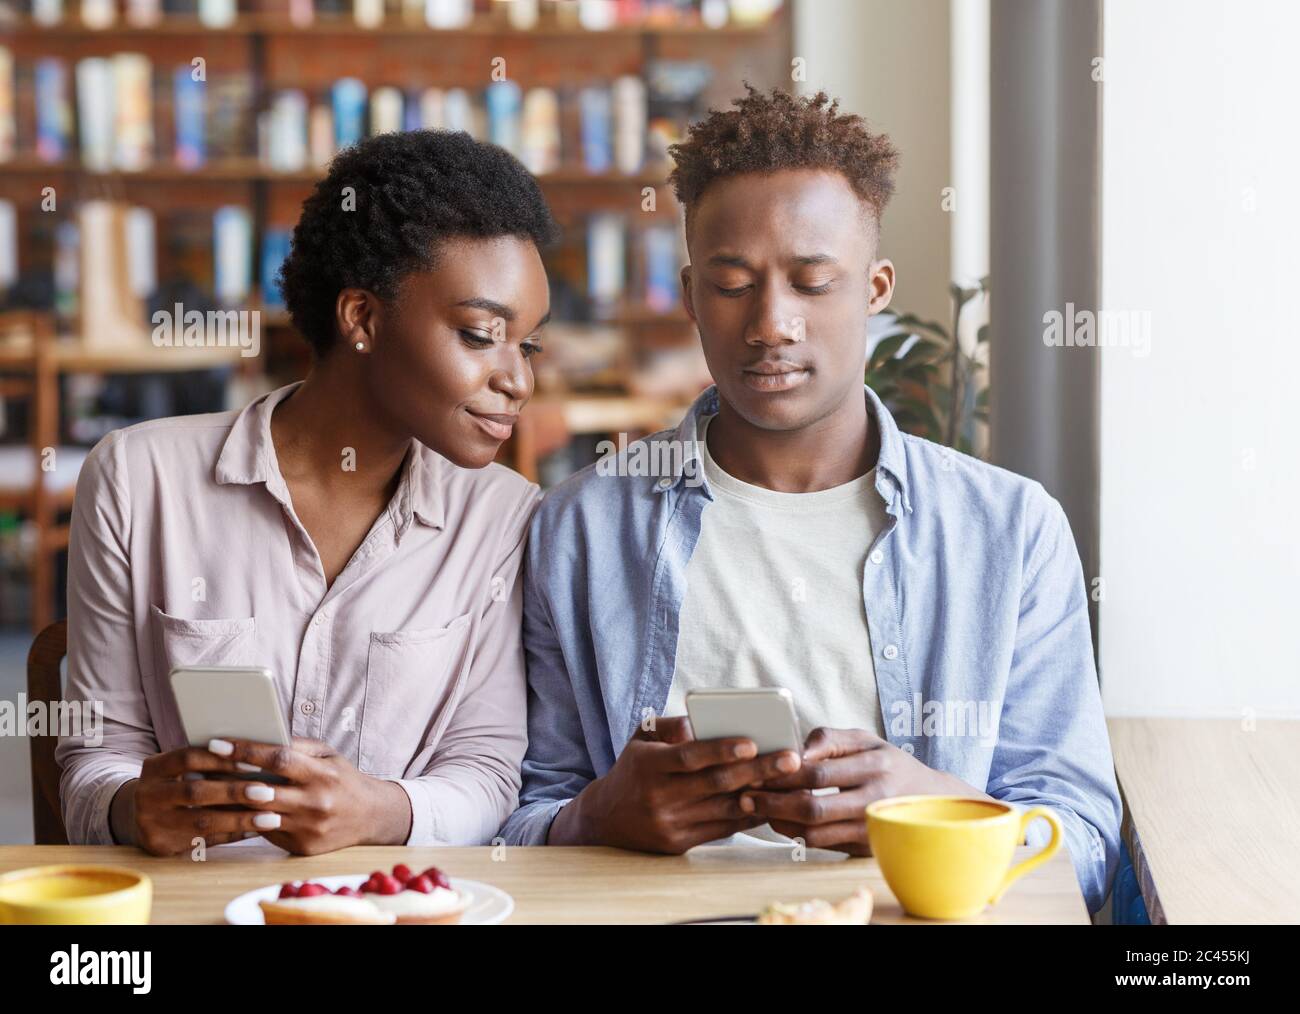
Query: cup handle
{"points": [[1048, 850]]}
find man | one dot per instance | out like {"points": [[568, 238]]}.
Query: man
{"points": [[926, 609]]}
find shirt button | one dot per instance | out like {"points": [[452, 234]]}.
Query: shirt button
{"points": [[307, 707], [877, 556], [664, 483], [321, 618], [891, 651]]}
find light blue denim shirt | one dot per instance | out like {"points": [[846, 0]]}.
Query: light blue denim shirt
{"points": [[975, 603]]}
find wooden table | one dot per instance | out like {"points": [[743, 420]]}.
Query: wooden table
{"points": [[1212, 817], [565, 885]]}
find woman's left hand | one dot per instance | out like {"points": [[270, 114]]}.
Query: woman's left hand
{"points": [[327, 805]]}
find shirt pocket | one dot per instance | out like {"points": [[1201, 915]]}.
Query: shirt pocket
{"points": [[411, 687], [182, 642]]}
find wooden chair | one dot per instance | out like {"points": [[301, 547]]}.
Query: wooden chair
{"points": [[45, 684], [30, 373]]}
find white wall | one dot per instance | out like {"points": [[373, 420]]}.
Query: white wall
{"points": [[1200, 441], [889, 62]]}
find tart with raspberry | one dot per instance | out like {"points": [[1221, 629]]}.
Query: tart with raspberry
{"points": [[303, 904], [397, 897]]}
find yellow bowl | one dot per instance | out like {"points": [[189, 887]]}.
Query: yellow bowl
{"points": [[75, 895]]}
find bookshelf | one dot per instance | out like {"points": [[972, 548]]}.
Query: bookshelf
{"points": [[684, 65]]}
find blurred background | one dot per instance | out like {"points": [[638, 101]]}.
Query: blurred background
{"points": [[157, 152], [1094, 233]]}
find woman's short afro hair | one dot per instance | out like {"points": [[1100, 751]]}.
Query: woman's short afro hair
{"points": [[771, 131], [409, 192]]}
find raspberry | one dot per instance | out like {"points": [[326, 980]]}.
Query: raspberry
{"points": [[390, 885], [288, 891], [402, 872], [312, 890], [421, 883]]}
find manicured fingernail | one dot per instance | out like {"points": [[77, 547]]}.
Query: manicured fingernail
{"points": [[747, 804], [787, 762], [221, 747], [260, 793], [245, 766], [745, 750], [267, 821]]}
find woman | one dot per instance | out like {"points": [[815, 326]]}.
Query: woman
{"points": [[349, 532]]}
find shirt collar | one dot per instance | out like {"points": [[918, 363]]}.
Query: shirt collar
{"points": [[891, 470], [248, 456]]}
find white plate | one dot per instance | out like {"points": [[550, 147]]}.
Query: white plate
{"points": [[488, 905]]}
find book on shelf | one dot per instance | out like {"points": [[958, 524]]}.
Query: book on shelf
{"points": [[8, 105], [387, 111], [597, 128], [53, 111], [348, 100], [606, 263], [504, 102], [143, 13], [232, 254], [284, 141], [132, 111], [217, 13], [540, 138], [141, 255], [275, 248], [8, 246], [189, 99], [231, 128], [95, 114]]}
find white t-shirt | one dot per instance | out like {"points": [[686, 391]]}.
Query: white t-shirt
{"points": [[774, 599]]}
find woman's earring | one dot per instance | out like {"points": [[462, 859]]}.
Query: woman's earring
{"points": [[361, 346]]}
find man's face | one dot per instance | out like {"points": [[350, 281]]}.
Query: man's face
{"points": [[781, 283]]}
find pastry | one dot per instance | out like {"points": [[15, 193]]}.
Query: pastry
{"points": [[384, 899], [855, 910]]}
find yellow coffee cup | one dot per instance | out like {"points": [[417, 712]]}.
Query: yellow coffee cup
{"points": [[948, 857], [75, 895]]}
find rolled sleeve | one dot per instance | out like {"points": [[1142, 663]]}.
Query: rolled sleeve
{"points": [[103, 668], [1053, 748], [558, 765]]}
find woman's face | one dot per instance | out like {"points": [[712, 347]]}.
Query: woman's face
{"points": [[450, 361]]}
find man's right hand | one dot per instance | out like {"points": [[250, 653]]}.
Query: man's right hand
{"points": [[163, 812], [668, 792]]}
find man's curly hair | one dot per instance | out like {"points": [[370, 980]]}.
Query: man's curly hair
{"points": [[771, 131], [412, 190]]}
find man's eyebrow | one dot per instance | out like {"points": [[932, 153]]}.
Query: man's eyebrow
{"points": [[545, 319], [735, 260]]}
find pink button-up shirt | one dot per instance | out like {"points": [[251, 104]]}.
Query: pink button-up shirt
{"points": [[186, 551]]}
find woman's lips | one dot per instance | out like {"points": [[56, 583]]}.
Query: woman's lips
{"points": [[498, 427], [774, 376]]}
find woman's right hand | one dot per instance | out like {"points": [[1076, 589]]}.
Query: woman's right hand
{"points": [[163, 812]]}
